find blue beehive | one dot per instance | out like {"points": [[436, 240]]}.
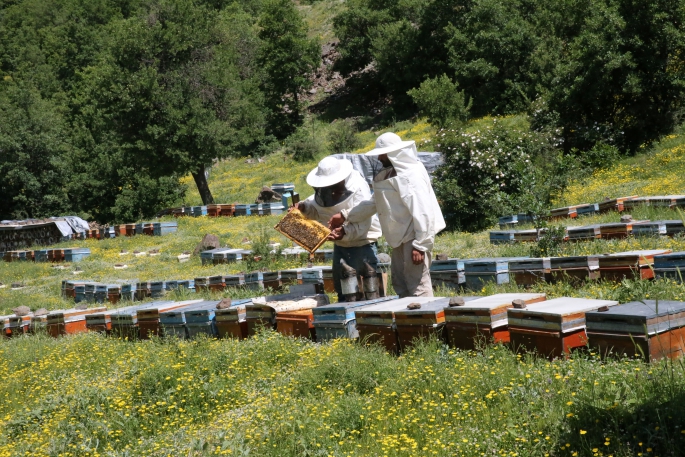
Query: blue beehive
{"points": [[207, 257], [234, 280], [447, 265], [652, 228], [338, 320], [40, 255], [501, 236], [590, 208], [198, 211], [187, 284], [671, 266], [157, 288], [254, 280], [128, 291], [164, 228], [242, 210], [76, 254]]}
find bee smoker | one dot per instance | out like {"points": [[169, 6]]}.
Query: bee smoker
{"points": [[370, 280], [348, 282]]}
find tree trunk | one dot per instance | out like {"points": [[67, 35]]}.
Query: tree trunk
{"points": [[203, 186]]}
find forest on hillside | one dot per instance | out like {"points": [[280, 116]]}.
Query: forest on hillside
{"points": [[106, 104]]}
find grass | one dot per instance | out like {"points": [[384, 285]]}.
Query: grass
{"points": [[278, 396]]}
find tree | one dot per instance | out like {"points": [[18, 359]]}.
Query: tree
{"points": [[288, 59], [32, 146], [178, 89], [440, 101], [620, 79]]}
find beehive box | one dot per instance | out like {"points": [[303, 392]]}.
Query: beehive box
{"points": [[483, 317], [102, 321], [376, 323], [574, 268], [148, 318], [552, 328], [614, 204], [587, 208], [17, 325], [629, 264], [338, 320], [422, 323], [652, 330], [299, 323], [588, 232], [564, 212], [70, 321], [501, 236], [263, 313], [230, 322], [307, 233], [530, 271], [451, 279]]}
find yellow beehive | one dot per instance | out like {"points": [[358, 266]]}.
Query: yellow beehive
{"points": [[307, 233]]}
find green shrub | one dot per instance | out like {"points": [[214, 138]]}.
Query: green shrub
{"points": [[440, 101], [342, 137], [304, 144], [496, 170]]}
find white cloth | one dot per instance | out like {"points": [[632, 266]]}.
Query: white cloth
{"points": [[406, 204], [410, 280], [360, 233]]}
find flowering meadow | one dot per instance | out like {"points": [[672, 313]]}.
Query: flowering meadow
{"points": [[91, 395]]}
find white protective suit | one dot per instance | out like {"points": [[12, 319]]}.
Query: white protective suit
{"points": [[359, 233], [406, 204]]}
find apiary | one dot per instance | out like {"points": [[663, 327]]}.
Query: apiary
{"points": [[630, 264], [148, 318], [530, 271], [421, 321], [70, 321], [483, 317], [501, 236], [574, 268], [102, 322], [338, 320], [307, 233], [552, 328], [376, 323], [651, 330]]}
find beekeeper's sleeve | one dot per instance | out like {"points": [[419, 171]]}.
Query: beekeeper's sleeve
{"points": [[416, 195]]}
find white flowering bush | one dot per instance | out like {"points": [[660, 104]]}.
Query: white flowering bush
{"points": [[493, 171]]}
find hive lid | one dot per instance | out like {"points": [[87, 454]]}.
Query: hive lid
{"points": [[560, 314], [648, 317]]}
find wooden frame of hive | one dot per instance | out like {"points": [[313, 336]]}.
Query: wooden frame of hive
{"points": [[295, 220]]}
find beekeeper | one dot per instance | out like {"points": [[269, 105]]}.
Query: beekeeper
{"points": [[408, 211], [338, 187]]}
